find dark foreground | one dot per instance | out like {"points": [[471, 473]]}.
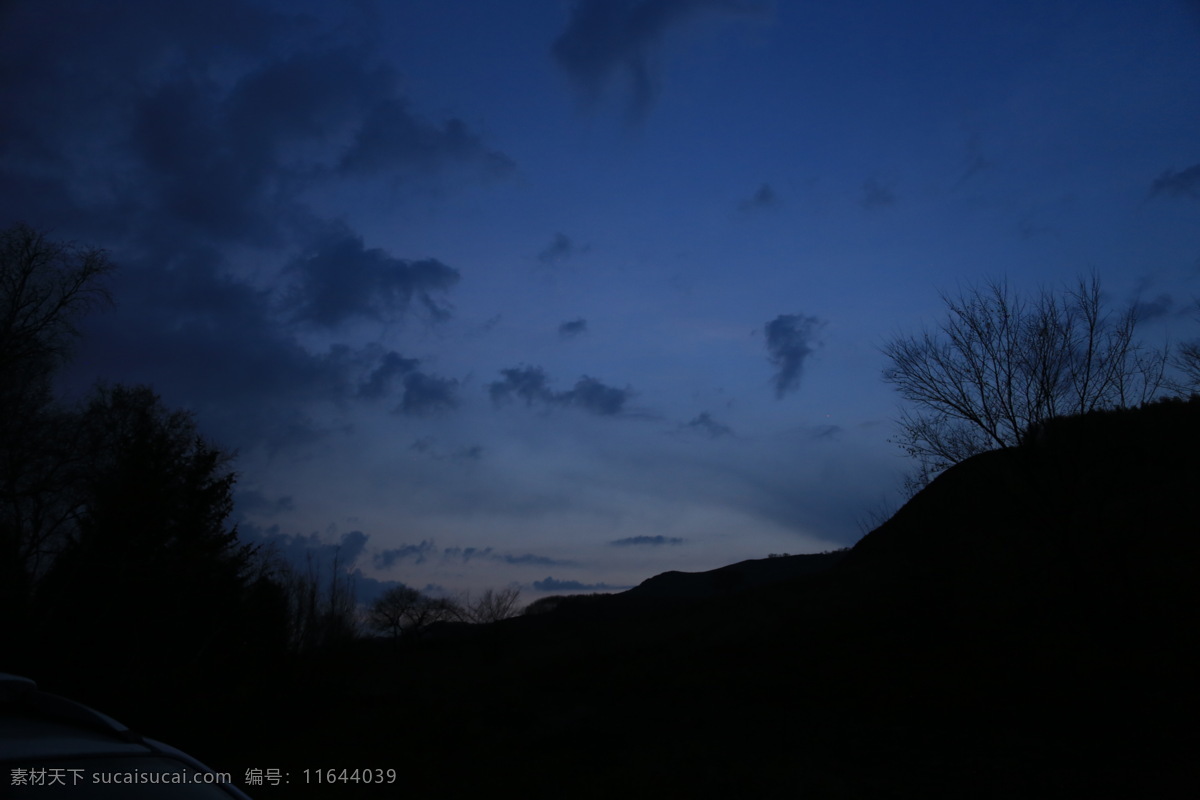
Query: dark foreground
{"points": [[1025, 627]]}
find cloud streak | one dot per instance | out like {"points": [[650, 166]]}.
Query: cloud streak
{"points": [[617, 41], [1183, 183], [572, 328], [646, 541], [531, 385], [551, 584], [791, 339], [339, 280]]}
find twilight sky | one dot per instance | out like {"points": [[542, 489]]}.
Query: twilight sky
{"points": [[567, 294]]}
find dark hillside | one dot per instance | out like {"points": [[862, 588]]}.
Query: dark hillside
{"points": [[1024, 627]]}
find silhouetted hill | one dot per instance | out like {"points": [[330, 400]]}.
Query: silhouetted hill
{"points": [[1098, 520], [1026, 626], [735, 578]]}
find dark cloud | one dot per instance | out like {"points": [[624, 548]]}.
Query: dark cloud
{"points": [[339, 280], [594, 396], [391, 138], [651, 541], [309, 552], [705, 424], [1184, 183], [790, 341], [525, 383], [529, 558], [572, 328], [607, 40], [1146, 310], [253, 501], [392, 368], [417, 553], [560, 249], [472, 453], [975, 161], [465, 554], [826, 432], [189, 138], [550, 584], [428, 394], [209, 340], [876, 195], [427, 446], [765, 198], [426, 550], [531, 385]]}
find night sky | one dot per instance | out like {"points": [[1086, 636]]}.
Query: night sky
{"points": [[568, 294]]}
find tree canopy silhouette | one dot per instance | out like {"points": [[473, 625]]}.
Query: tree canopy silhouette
{"points": [[150, 567], [46, 288], [999, 364]]}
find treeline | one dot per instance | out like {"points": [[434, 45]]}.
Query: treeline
{"points": [[120, 570]]}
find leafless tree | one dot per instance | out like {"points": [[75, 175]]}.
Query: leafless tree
{"points": [[46, 288], [1187, 361], [403, 610], [999, 364], [493, 605]]}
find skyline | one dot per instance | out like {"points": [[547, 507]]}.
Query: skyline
{"points": [[567, 295]]}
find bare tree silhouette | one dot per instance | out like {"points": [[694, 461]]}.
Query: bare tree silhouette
{"points": [[999, 364]]}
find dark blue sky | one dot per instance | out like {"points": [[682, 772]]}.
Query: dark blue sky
{"points": [[567, 294]]}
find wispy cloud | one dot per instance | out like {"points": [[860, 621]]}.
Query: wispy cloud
{"points": [[706, 425], [339, 280], [572, 328], [550, 584], [531, 385], [791, 339], [560, 250], [764, 199], [617, 41], [644, 541], [1182, 183], [876, 194]]}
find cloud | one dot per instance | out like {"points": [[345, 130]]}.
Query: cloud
{"points": [[392, 137], [1185, 183], [826, 432], [392, 368], [417, 553], [572, 328], [304, 551], [529, 558], [428, 394], [427, 550], [617, 40], [550, 584], [652, 541], [765, 198], [1160, 306], [531, 385], [593, 396], [526, 383], [339, 280], [705, 424], [466, 553], [195, 146], [790, 341], [253, 501], [472, 453], [421, 393], [560, 249], [876, 194]]}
